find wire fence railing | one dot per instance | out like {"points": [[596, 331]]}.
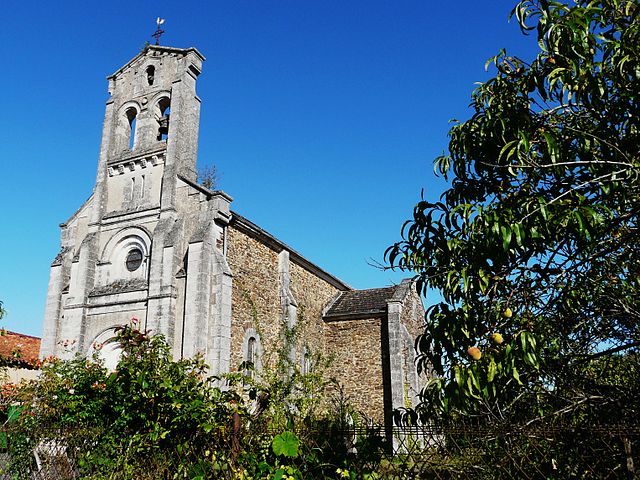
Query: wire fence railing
{"points": [[454, 451], [512, 451]]}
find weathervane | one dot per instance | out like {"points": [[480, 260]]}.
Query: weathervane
{"points": [[158, 33]]}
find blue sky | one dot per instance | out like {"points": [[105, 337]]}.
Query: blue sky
{"points": [[323, 117]]}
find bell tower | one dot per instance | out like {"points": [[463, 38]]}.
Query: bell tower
{"points": [[124, 252], [150, 132]]}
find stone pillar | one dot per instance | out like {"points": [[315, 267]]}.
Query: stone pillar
{"points": [[146, 126], [161, 301], [197, 300], [287, 300], [219, 356], [72, 326], [182, 142], [100, 193], [52, 311], [394, 326]]}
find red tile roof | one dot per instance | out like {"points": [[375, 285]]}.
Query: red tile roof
{"points": [[24, 349]]}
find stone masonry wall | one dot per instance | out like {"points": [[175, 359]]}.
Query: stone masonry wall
{"points": [[352, 346], [255, 300], [312, 295], [357, 363]]}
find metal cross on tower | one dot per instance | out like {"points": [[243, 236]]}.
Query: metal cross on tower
{"points": [[158, 33]]}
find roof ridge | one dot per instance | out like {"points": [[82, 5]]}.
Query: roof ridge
{"points": [[19, 334]]}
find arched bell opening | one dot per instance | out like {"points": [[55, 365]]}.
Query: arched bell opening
{"points": [[162, 114]]}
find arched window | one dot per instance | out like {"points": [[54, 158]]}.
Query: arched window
{"points": [[163, 112], [131, 115], [125, 257], [106, 347], [306, 362], [252, 350], [151, 70]]}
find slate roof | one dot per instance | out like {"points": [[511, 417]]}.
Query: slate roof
{"points": [[22, 349], [361, 303]]}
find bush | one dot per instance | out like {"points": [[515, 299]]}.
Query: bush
{"points": [[154, 417], [150, 408]]}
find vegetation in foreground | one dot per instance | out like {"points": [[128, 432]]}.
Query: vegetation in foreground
{"points": [[157, 418]]}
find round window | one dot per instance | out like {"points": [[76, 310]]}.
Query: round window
{"points": [[134, 259]]}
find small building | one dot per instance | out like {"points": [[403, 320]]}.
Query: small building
{"points": [[152, 243], [19, 353]]}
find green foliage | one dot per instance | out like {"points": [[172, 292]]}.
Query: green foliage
{"points": [[536, 238], [284, 394], [157, 418], [148, 408], [286, 444], [83, 421], [284, 398]]}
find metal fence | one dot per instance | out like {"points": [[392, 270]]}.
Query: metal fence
{"points": [[511, 451], [460, 451]]}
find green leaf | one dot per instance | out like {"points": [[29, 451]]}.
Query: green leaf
{"points": [[519, 231], [506, 236], [14, 412], [286, 444], [493, 369], [516, 375]]}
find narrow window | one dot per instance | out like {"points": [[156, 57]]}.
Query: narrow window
{"points": [[251, 351], [142, 186], [252, 355], [307, 362], [163, 112], [151, 70], [131, 117], [132, 138]]}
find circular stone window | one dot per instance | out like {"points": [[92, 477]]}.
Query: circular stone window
{"points": [[134, 259]]}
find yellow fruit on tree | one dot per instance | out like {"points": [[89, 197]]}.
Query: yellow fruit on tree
{"points": [[497, 338], [475, 353], [507, 313]]}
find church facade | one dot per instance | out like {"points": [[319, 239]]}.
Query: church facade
{"points": [[154, 244]]}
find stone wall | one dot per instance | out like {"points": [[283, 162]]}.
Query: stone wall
{"points": [[16, 375], [312, 295], [355, 346], [255, 300], [257, 305]]}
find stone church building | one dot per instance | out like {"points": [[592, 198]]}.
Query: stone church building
{"points": [[152, 243]]}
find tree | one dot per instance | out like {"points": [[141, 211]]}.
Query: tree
{"points": [[209, 177], [534, 247]]}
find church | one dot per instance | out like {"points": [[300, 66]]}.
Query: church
{"points": [[154, 244]]}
